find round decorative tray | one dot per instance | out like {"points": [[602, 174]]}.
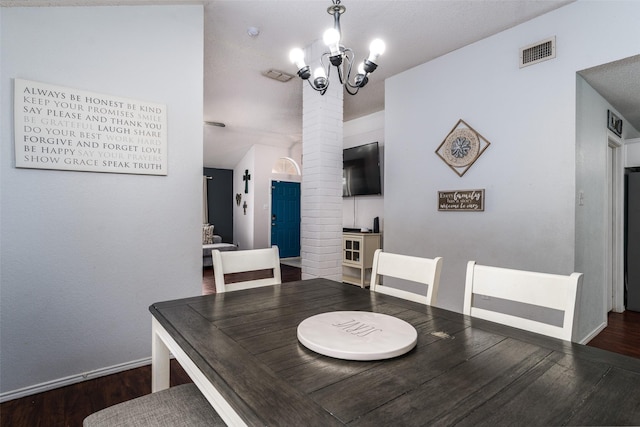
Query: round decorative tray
{"points": [[357, 335]]}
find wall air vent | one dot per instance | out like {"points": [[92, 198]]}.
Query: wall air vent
{"points": [[538, 52]]}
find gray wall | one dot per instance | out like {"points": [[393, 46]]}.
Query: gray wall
{"points": [[528, 172], [84, 254]]}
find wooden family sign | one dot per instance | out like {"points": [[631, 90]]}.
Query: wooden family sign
{"points": [[70, 129], [461, 200]]}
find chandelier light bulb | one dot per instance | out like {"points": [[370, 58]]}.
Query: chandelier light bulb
{"points": [[331, 38], [320, 79], [376, 48], [361, 68], [319, 72], [297, 57]]}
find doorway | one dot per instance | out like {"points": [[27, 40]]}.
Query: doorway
{"points": [[285, 217], [615, 231]]}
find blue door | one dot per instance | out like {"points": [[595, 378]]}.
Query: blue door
{"points": [[285, 217]]}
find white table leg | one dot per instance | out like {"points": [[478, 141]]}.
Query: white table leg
{"points": [[161, 347], [159, 360]]}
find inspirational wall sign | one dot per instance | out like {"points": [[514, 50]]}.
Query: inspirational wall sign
{"points": [[461, 200], [69, 129]]}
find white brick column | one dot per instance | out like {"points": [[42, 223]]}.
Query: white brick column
{"points": [[321, 199]]}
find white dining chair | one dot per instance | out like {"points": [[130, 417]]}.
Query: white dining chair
{"points": [[552, 291], [181, 405], [415, 269], [246, 261]]}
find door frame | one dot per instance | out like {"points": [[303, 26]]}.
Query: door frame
{"points": [[614, 267]]}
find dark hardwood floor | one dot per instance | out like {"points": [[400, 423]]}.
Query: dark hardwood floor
{"points": [[622, 334], [68, 406]]}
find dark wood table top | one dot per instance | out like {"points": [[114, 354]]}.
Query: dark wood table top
{"points": [[463, 371]]}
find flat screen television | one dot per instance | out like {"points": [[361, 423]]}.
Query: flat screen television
{"points": [[361, 170]]}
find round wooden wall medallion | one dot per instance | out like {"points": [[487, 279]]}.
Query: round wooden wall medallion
{"points": [[461, 147]]}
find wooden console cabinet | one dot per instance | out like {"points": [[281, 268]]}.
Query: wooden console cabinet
{"points": [[357, 256]]}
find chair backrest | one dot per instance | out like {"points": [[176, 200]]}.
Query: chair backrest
{"points": [[552, 291], [245, 261], [415, 269]]}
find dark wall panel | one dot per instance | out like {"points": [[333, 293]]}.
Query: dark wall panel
{"points": [[220, 197], [632, 238]]}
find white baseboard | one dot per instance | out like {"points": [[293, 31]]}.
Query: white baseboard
{"points": [[593, 334], [73, 379]]}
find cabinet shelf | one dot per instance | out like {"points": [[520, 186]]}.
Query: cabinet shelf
{"points": [[354, 280]]}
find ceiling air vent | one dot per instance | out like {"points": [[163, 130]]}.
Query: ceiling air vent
{"points": [[280, 76], [538, 52]]}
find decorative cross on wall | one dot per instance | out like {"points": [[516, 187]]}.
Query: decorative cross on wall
{"points": [[246, 179]]}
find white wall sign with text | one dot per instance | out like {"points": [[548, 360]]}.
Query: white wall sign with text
{"points": [[67, 129]]}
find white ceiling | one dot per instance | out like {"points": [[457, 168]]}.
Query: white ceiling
{"points": [[258, 110]]}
